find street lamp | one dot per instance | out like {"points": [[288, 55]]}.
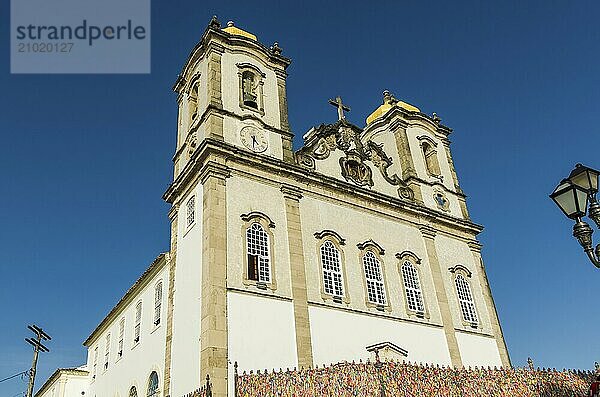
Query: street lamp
{"points": [[572, 196]]}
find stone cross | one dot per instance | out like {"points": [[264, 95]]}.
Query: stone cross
{"points": [[337, 102]]}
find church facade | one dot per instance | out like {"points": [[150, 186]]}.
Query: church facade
{"points": [[358, 241]]}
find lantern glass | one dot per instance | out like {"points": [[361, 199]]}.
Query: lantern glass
{"points": [[585, 177], [571, 199]]}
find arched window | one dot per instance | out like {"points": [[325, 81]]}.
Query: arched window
{"points": [[374, 278], [138, 322], [257, 246], [133, 392], [251, 80], [431, 161], [412, 288], [332, 269], [157, 302], [465, 298], [152, 385]]}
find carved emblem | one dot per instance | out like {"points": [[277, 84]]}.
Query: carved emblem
{"points": [[441, 201], [355, 170]]}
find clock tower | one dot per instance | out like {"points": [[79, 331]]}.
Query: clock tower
{"points": [[232, 89]]}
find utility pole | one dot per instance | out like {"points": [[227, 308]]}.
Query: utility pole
{"points": [[37, 348]]}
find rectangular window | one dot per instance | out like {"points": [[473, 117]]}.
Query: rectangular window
{"points": [[107, 352], [121, 334], [253, 267], [157, 303], [95, 367], [191, 211], [138, 322]]}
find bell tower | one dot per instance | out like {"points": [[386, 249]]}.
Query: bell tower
{"points": [[232, 89]]}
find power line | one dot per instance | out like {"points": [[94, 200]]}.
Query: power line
{"points": [[14, 376]]}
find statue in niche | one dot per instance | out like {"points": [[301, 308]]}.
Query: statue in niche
{"points": [[249, 89]]}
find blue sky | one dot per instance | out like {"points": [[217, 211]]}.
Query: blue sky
{"points": [[85, 158]]}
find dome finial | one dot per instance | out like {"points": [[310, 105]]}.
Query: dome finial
{"points": [[230, 24]]}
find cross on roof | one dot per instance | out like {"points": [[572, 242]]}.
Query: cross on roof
{"points": [[337, 102]]}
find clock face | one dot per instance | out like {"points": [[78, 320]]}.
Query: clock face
{"points": [[254, 139]]}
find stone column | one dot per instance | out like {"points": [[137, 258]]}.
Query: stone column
{"points": [[406, 160], [442, 297], [475, 247], [288, 152], [170, 295], [299, 295], [214, 120], [213, 318]]}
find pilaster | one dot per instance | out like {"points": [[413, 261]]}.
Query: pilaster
{"points": [[461, 199], [214, 120], [475, 248], [442, 297], [406, 160], [213, 322], [173, 217], [288, 151], [292, 198], [214, 53]]}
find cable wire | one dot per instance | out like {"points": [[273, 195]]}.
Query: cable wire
{"points": [[15, 375]]}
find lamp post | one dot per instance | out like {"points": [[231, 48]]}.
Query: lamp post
{"points": [[572, 195]]}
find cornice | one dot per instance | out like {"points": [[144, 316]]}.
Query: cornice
{"points": [[409, 254], [371, 243], [322, 234], [215, 39], [296, 172], [173, 212], [428, 231], [462, 268], [211, 109], [257, 214], [398, 117], [475, 246], [141, 282], [291, 192], [213, 169]]}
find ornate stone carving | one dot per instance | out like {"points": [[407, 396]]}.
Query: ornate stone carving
{"points": [[355, 170], [342, 135], [191, 143], [382, 161]]}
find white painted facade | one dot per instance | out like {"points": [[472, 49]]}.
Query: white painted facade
{"points": [[133, 367], [220, 315], [66, 382]]}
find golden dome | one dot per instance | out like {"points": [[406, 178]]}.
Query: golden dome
{"points": [[388, 103], [231, 29]]}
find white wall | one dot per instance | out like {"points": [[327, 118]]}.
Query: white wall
{"points": [[261, 332], [338, 336], [139, 359], [74, 385], [66, 385], [185, 353], [477, 350]]}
